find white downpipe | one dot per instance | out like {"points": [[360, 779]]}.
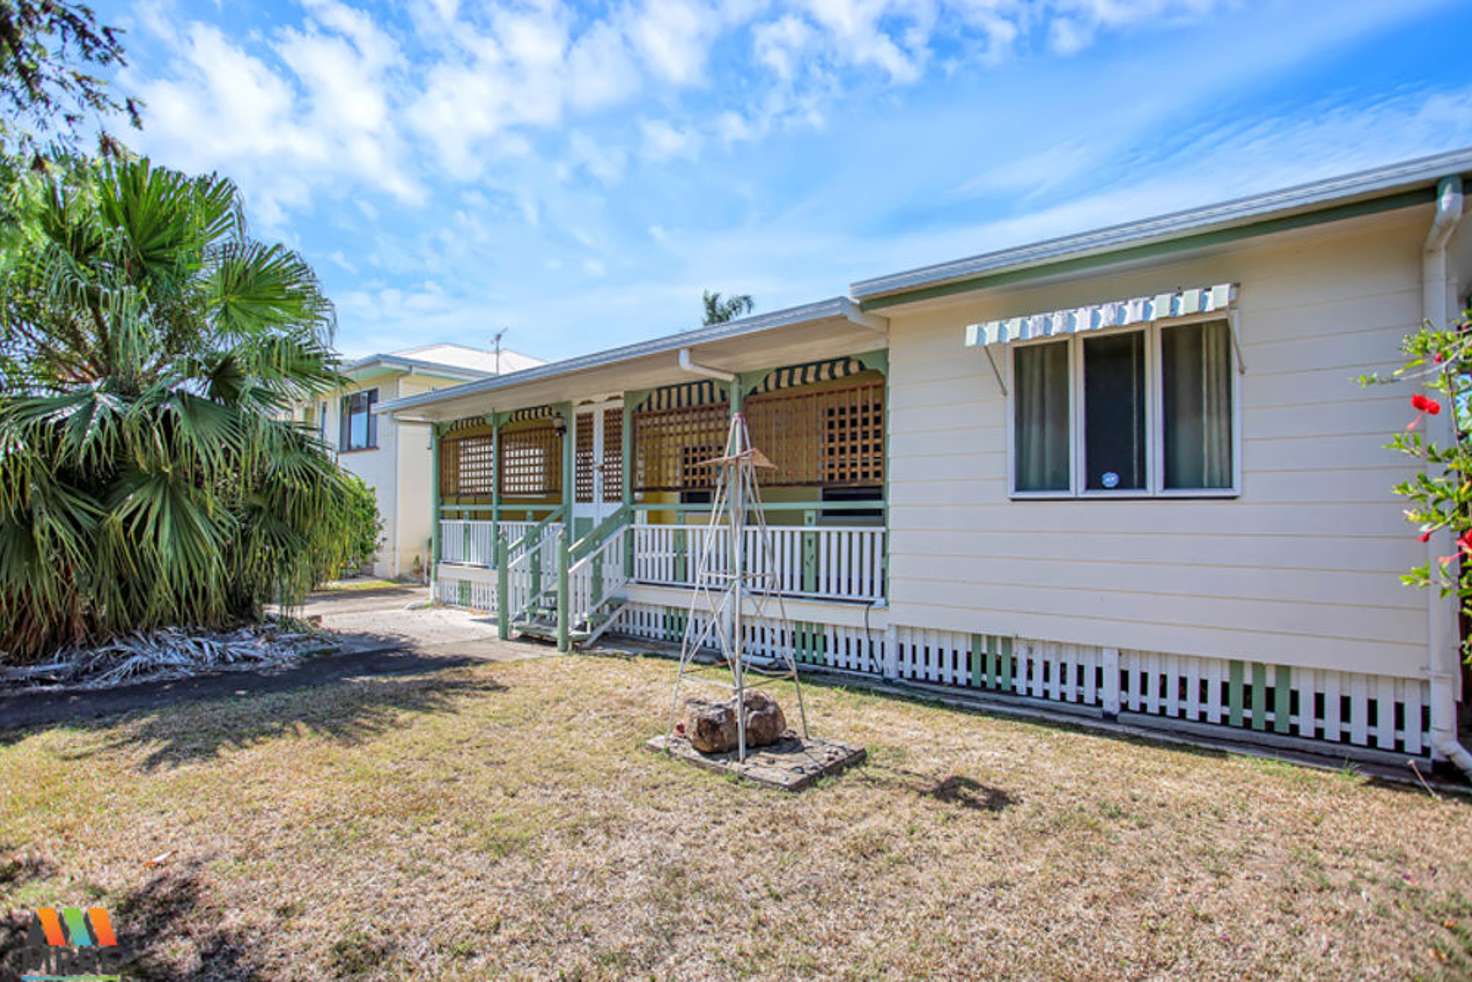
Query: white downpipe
{"points": [[1443, 651], [690, 365]]}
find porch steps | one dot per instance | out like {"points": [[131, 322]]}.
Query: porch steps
{"points": [[542, 623]]}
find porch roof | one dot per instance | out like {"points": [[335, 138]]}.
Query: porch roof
{"points": [[826, 329]]}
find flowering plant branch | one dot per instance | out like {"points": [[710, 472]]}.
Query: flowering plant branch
{"points": [[1439, 495]]}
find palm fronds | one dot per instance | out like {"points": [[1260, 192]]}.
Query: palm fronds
{"points": [[149, 474]]}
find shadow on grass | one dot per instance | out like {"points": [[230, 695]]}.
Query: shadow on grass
{"points": [[166, 931], [171, 932], [347, 699], [953, 789]]}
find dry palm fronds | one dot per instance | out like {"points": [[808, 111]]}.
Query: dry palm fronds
{"points": [[168, 653]]}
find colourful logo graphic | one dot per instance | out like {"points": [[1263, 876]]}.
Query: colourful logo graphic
{"points": [[72, 944]]}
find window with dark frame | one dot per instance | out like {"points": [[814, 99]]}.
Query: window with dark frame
{"points": [[1114, 412], [359, 426]]}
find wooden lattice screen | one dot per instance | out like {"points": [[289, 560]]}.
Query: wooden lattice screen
{"points": [[663, 440], [613, 454], [829, 437], [821, 436], [467, 465], [531, 464], [582, 458]]}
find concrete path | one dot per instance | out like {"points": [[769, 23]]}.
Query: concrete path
{"points": [[380, 635]]}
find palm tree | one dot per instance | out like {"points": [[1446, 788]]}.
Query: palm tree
{"points": [[150, 350], [718, 311]]}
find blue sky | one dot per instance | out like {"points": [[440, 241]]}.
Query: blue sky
{"points": [[579, 173]]}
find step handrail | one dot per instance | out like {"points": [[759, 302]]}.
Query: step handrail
{"points": [[606, 529], [534, 534]]}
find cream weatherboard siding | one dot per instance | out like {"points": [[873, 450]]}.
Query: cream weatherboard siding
{"points": [[412, 521], [377, 467], [1301, 569]]}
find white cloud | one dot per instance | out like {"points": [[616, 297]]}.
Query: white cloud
{"points": [[600, 69], [663, 141], [604, 162], [781, 44], [674, 37]]}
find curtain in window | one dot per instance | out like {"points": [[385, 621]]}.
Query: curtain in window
{"points": [[1041, 417], [1197, 373]]}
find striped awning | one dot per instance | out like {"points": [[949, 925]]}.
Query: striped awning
{"points": [[816, 371], [684, 396], [1138, 310], [535, 412]]}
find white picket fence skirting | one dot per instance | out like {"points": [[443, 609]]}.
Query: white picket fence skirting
{"points": [[1349, 709]]}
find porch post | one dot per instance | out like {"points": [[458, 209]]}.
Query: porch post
{"points": [[503, 590], [626, 494], [564, 541], [495, 419], [434, 507]]}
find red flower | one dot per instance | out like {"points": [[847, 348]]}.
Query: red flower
{"points": [[1426, 536], [1425, 404], [1464, 542], [1438, 357]]}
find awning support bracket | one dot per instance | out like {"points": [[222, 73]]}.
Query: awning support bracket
{"points": [[995, 370]]}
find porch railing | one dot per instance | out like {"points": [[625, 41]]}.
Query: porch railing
{"points": [[531, 568], [596, 580], [470, 542], [820, 562], [825, 562]]}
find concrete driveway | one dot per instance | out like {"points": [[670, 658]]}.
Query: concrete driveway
{"points": [[400, 619], [380, 635]]}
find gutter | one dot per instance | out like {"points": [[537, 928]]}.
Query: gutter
{"points": [[691, 365], [412, 365], [1443, 649]]}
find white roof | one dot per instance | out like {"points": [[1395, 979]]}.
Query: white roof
{"points": [[475, 359]]}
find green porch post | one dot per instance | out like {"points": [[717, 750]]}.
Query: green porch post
{"points": [[434, 507], [626, 455], [495, 419], [503, 590], [564, 541]]}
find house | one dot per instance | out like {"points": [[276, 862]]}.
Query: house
{"points": [[393, 457], [1125, 474]]}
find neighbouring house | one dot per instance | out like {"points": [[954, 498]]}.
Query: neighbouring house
{"points": [[394, 457], [1126, 473]]}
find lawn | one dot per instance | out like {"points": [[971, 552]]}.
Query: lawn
{"points": [[503, 819]]}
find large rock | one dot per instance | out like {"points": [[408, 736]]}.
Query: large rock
{"points": [[710, 726]]}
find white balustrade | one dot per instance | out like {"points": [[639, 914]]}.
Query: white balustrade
{"points": [[847, 562]]}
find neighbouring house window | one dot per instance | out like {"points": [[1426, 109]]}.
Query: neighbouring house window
{"points": [[359, 427], [322, 421], [1129, 412], [1041, 416]]}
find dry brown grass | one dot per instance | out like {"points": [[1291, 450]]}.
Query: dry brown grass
{"points": [[504, 820]]}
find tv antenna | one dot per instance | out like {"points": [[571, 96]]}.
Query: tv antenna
{"points": [[496, 340]]}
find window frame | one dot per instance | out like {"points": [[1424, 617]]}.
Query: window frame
{"points": [[345, 421], [1154, 417]]}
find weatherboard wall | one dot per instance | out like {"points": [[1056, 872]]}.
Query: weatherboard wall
{"points": [[1301, 569]]}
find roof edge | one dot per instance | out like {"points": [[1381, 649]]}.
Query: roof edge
{"points": [[1312, 196], [787, 317], [411, 365]]}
